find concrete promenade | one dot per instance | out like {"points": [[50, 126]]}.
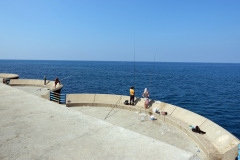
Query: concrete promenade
{"points": [[217, 143], [35, 128]]}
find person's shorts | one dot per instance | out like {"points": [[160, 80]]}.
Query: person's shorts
{"points": [[146, 100]]}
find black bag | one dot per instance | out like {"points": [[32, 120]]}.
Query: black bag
{"points": [[198, 130], [126, 102]]}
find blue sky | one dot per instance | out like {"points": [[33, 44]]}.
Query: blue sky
{"points": [[177, 31]]}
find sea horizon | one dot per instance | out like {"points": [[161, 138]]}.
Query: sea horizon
{"points": [[118, 61]]}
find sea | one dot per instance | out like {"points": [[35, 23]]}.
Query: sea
{"points": [[211, 90]]}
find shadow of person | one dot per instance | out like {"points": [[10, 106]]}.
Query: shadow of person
{"points": [[137, 100], [150, 103]]}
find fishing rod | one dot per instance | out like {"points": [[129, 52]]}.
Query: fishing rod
{"points": [[61, 80], [153, 70], [134, 61], [109, 112], [133, 82], [69, 76], [113, 107]]}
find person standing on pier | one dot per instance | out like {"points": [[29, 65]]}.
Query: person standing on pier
{"points": [[132, 93], [57, 81], [146, 95], [45, 80]]}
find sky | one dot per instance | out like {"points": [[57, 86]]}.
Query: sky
{"points": [[121, 30]]}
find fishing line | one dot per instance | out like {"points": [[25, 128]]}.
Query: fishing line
{"points": [[133, 82], [113, 107], [70, 76], [134, 61], [60, 81], [153, 70]]}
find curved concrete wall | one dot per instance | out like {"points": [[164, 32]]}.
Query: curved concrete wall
{"points": [[36, 83], [217, 143], [9, 76]]}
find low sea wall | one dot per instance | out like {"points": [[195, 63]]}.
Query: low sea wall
{"points": [[7, 76], [36, 83], [217, 143]]}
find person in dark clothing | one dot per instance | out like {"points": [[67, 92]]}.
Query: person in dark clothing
{"points": [[57, 81], [198, 130], [132, 93], [45, 80]]}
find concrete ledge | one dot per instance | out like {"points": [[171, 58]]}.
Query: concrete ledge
{"points": [[188, 117], [138, 101], [225, 142], [201, 140], [46, 96], [79, 99], [36, 83], [164, 107], [9, 76], [217, 143], [106, 100]]}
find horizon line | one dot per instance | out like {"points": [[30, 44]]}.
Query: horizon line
{"points": [[113, 61]]}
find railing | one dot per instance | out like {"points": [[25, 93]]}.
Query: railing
{"points": [[239, 152], [57, 97], [6, 80]]}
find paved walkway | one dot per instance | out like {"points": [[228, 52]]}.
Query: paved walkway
{"points": [[141, 123], [35, 128]]}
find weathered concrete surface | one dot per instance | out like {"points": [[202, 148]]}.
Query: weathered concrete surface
{"points": [[9, 76], [225, 142], [38, 91], [34, 128], [203, 142], [79, 99], [139, 103], [36, 83], [164, 107], [217, 143], [140, 122], [106, 100], [188, 117]]}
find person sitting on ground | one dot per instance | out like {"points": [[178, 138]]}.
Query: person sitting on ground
{"points": [[132, 93], [146, 95], [156, 110], [57, 81]]}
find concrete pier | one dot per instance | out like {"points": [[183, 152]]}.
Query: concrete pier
{"points": [[7, 76], [217, 143], [35, 128], [50, 85]]}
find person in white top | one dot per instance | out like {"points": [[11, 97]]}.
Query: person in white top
{"points": [[146, 95]]}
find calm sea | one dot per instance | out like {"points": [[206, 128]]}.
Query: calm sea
{"points": [[209, 89]]}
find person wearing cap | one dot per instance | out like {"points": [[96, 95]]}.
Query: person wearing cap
{"points": [[132, 93]]}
